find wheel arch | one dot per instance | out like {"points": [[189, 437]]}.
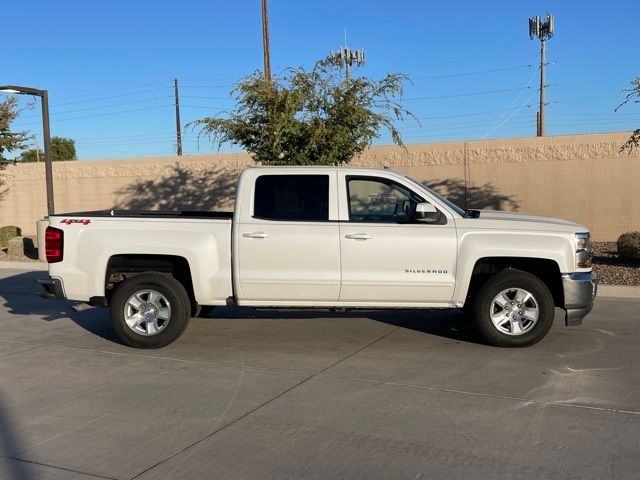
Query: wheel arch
{"points": [[123, 266], [547, 270]]}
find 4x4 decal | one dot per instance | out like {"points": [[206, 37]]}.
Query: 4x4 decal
{"points": [[69, 221]]}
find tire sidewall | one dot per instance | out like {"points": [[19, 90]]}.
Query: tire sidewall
{"points": [[174, 293], [512, 278]]}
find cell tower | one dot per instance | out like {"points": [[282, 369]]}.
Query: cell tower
{"points": [[347, 57], [542, 29]]}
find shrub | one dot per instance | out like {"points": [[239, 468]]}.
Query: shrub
{"points": [[7, 233], [629, 245]]}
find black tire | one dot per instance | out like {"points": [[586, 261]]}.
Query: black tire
{"points": [[174, 293], [512, 279]]}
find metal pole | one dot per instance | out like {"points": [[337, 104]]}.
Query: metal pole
{"points": [[178, 131], [541, 127], [348, 73], [265, 41], [48, 168]]}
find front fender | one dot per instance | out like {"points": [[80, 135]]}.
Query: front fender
{"points": [[476, 245]]}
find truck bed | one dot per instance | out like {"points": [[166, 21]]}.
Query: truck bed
{"points": [[93, 239]]}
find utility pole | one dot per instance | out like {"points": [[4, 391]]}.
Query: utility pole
{"points": [[178, 129], [265, 41], [542, 29]]}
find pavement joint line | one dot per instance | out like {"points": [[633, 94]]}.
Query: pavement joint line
{"points": [[253, 410], [33, 462], [158, 357], [186, 360], [89, 422], [33, 347], [322, 374], [487, 395]]}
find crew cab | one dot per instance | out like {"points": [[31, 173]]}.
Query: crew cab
{"points": [[323, 237]]}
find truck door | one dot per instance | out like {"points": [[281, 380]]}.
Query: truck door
{"points": [[287, 239], [386, 257]]}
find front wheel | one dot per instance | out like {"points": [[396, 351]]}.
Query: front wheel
{"points": [[513, 309], [150, 310]]}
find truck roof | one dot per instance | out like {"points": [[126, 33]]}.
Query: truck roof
{"points": [[324, 167]]}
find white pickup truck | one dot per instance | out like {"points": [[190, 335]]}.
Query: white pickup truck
{"points": [[323, 237]]}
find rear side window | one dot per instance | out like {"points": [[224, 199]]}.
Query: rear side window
{"points": [[292, 197]]}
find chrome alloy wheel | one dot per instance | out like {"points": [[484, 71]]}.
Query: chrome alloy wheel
{"points": [[514, 311], [147, 312]]}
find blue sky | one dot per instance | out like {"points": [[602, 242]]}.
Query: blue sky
{"points": [[109, 66]]}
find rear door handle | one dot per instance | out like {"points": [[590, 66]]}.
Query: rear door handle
{"points": [[256, 235], [358, 236]]}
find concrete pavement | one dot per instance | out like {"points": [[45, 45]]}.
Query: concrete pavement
{"points": [[313, 395]]}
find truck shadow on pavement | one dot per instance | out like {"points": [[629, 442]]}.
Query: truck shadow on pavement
{"points": [[19, 295], [450, 324]]}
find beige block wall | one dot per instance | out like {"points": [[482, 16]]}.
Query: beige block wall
{"points": [[584, 178]]}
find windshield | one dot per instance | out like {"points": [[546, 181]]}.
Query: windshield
{"points": [[448, 203]]}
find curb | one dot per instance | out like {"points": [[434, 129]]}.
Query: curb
{"points": [[38, 266]]}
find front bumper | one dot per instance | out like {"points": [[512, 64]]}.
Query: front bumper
{"points": [[51, 288], [580, 291]]}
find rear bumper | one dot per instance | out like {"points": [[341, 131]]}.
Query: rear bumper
{"points": [[51, 288], [580, 291]]}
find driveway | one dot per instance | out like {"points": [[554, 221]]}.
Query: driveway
{"points": [[314, 395]]}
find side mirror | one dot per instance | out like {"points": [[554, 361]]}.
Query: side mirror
{"points": [[426, 213]]}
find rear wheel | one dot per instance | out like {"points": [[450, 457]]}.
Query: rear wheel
{"points": [[150, 310], [513, 309]]}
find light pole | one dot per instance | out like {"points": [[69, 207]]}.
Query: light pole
{"points": [[46, 134]]}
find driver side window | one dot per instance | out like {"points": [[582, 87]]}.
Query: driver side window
{"points": [[380, 200]]}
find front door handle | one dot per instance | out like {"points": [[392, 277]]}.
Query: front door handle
{"points": [[256, 235], [358, 236]]}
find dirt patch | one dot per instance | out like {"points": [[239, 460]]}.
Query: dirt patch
{"points": [[611, 269]]}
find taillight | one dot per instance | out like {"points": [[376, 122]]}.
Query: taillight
{"points": [[53, 244]]}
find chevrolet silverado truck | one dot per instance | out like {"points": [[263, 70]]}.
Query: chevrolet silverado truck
{"points": [[323, 237]]}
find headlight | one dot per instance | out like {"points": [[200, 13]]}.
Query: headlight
{"points": [[584, 256]]}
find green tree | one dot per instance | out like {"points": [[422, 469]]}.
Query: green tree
{"points": [[62, 149], [632, 95], [314, 117], [9, 141]]}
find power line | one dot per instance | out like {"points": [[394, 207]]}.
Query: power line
{"points": [[470, 94], [208, 108], [468, 114], [479, 123], [207, 98], [110, 91], [110, 105], [113, 96], [465, 74], [101, 114], [207, 86], [500, 120]]}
